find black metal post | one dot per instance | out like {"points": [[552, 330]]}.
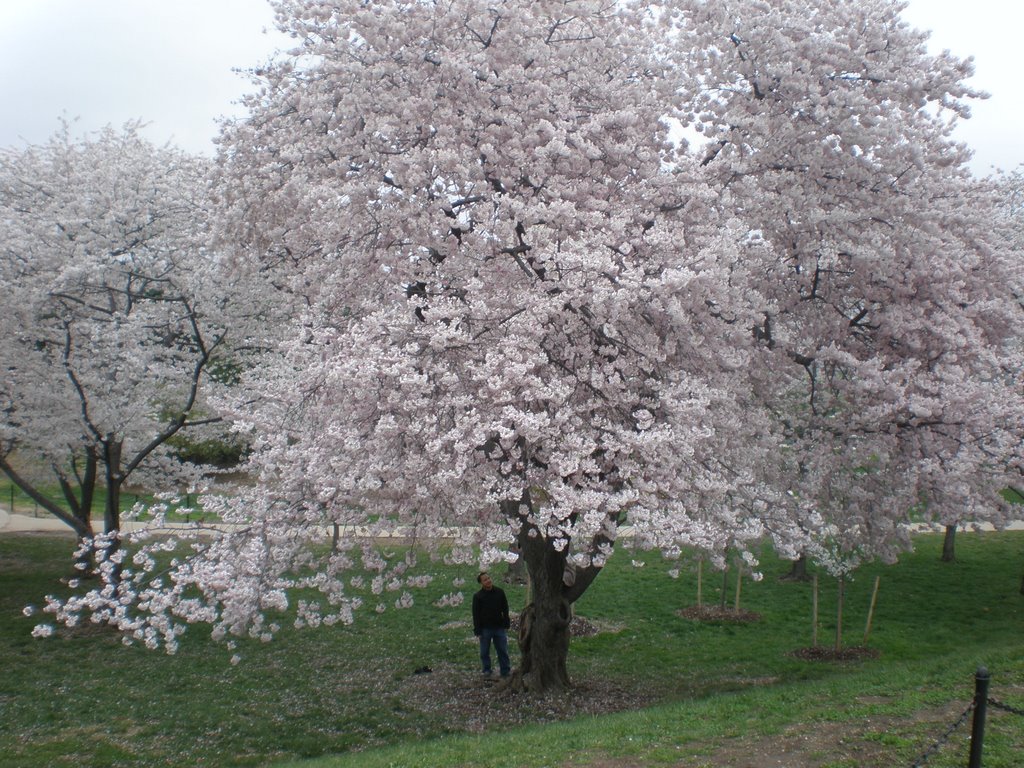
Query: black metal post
{"points": [[981, 680]]}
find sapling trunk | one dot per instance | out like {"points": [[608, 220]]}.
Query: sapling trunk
{"points": [[839, 614], [814, 611], [700, 583], [725, 585], [739, 582]]}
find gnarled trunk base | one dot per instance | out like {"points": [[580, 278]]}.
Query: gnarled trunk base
{"points": [[544, 645], [544, 623], [555, 584]]}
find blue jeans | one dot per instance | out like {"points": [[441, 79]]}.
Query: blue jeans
{"points": [[500, 639]]}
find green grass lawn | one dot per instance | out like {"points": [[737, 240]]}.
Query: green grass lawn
{"points": [[703, 693]]}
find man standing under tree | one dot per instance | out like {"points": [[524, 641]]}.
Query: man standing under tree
{"points": [[490, 623]]}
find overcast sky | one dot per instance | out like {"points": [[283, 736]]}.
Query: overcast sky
{"points": [[170, 63]]}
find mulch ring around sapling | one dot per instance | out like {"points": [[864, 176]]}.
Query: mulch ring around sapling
{"points": [[850, 653], [717, 613]]}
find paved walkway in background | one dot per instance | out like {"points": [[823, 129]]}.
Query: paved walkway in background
{"points": [[29, 523], [14, 523], [49, 524]]}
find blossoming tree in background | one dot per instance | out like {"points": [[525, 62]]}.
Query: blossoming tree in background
{"points": [[828, 128], [107, 332]]}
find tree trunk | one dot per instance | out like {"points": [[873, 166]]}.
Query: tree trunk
{"points": [[725, 583], [516, 571], [839, 614], [949, 544], [79, 519], [739, 584], [545, 623], [112, 510], [81, 509], [814, 611], [544, 645], [700, 583], [798, 571]]}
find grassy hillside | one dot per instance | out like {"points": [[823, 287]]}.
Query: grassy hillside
{"points": [[651, 687]]}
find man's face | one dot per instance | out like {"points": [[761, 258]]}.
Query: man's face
{"points": [[485, 581]]}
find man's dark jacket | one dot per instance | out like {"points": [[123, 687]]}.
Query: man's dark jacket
{"points": [[490, 610]]}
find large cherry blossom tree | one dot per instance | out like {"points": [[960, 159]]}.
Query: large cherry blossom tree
{"points": [[525, 322], [527, 314], [108, 324], [522, 322]]}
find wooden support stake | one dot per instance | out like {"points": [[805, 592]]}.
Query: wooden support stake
{"points": [[871, 610]]}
